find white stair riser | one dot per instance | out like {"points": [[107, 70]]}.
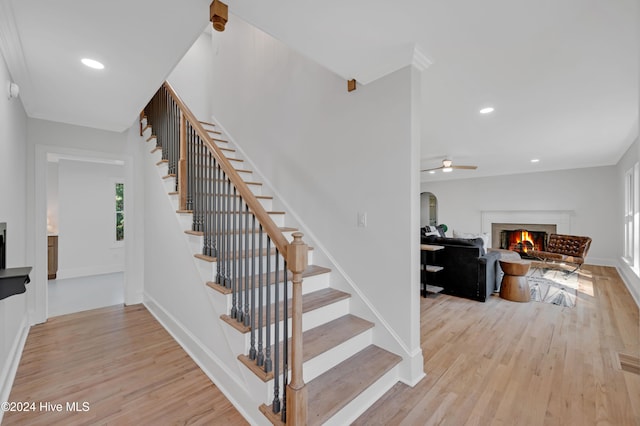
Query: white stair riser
{"points": [[169, 183], [366, 399], [310, 284], [314, 367], [313, 318], [329, 359], [208, 270], [163, 169]]}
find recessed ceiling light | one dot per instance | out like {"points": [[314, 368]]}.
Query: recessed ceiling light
{"points": [[92, 63], [432, 172], [447, 169], [487, 110], [535, 160]]}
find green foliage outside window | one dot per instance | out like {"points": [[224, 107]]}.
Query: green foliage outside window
{"points": [[119, 211]]}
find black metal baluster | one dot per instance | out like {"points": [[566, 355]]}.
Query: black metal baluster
{"points": [[268, 363], [252, 322], [212, 215], [199, 192], [260, 360], [189, 134], [285, 343], [234, 251], [219, 228], [228, 234], [247, 294], [205, 204], [239, 262], [275, 406]]}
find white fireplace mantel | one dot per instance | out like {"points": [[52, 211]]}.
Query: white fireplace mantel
{"points": [[560, 218]]}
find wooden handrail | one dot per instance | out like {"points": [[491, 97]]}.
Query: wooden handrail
{"points": [[254, 205]]}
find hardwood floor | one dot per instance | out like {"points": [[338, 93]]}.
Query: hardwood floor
{"points": [[120, 362], [493, 363], [509, 363]]}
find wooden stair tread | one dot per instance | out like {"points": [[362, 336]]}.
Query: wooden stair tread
{"points": [[162, 162], [157, 148], [206, 123], [333, 390], [152, 137], [317, 341], [310, 302], [310, 271], [170, 175]]}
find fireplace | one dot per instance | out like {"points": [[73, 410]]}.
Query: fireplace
{"points": [[523, 241], [521, 237]]}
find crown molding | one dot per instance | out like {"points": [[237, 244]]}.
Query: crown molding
{"points": [[11, 49]]}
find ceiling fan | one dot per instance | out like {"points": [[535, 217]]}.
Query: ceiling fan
{"points": [[448, 166]]}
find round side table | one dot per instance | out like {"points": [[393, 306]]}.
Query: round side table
{"points": [[514, 285]]}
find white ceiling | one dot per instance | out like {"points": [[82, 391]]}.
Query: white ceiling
{"points": [[562, 75]]}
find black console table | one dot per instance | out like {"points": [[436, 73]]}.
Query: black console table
{"points": [[13, 281]]}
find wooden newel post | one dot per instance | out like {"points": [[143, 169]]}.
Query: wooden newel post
{"points": [[182, 163], [296, 389]]}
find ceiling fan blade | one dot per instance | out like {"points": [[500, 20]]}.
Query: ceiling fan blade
{"points": [[464, 167], [432, 170]]}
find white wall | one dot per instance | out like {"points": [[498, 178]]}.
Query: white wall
{"points": [[86, 231], [329, 155], [13, 210], [592, 194], [193, 76]]}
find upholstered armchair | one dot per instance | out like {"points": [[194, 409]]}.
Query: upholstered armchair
{"points": [[564, 248]]}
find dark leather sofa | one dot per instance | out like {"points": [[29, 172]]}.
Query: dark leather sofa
{"points": [[468, 271]]}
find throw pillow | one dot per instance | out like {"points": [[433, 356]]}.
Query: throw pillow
{"points": [[483, 235]]}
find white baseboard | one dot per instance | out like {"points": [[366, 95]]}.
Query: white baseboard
{"points": [[88, 271], [10, 367], [631, 280], [209, 363]]}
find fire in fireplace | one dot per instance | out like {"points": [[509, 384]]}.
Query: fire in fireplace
{"points": [[523, 241]]}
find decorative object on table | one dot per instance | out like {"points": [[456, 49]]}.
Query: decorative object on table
{"points": [[553, 286]]}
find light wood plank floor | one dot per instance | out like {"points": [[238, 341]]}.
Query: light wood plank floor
{"points": [[121, 362], [509, 363]]}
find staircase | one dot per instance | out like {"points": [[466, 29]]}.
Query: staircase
{"points": [[312, 346]]}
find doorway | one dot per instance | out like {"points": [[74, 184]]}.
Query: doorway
{"points": [[428, 209]]}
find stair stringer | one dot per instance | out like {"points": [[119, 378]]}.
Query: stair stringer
{"points": [[186, 313], [411, 369]]}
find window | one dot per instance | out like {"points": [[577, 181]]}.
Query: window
{"points": [[631, 218], [119, 211]]}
